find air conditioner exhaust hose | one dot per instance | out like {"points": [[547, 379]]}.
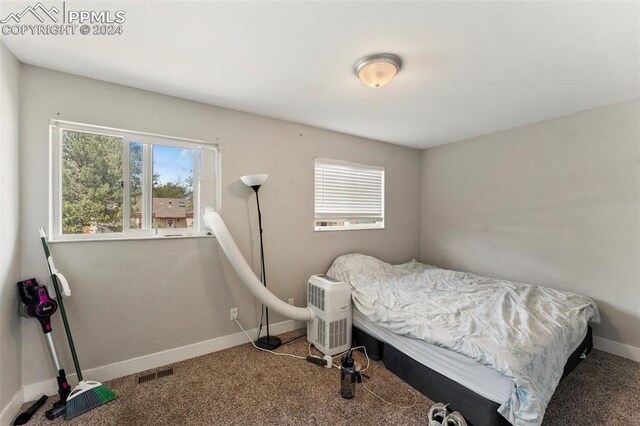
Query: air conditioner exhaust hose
{"points": [[213, 220]]}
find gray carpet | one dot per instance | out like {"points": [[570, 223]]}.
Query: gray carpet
{"points": [[242, 386]]}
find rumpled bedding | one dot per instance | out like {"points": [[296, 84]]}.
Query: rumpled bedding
{"points": [[525, 332]]}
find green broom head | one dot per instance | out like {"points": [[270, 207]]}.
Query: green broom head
{"points": [[87, 396]]}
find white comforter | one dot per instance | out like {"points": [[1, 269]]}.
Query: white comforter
{"points": [[525, 332]]}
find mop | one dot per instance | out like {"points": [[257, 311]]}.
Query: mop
{"points": [[88, 394]]}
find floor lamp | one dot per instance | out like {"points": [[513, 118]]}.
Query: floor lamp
{"points": [[255, 182]]}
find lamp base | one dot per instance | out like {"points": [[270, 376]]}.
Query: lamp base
{"points": [[270, 343]]}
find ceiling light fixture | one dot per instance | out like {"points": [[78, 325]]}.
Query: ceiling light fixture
{"points": [[377, 70]]}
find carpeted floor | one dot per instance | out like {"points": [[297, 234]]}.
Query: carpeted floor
{"points": [[242, 386]]}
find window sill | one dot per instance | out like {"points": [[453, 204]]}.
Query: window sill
{"points": [[347, 228], [123, 238]]}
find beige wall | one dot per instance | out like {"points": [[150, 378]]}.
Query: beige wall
{"points": [[555, 203], [10, 339], [132, 298]]}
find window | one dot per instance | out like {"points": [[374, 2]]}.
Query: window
{"points": [[348, 196], [111, 183]]}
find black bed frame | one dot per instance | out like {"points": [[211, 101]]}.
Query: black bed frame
{"points": [[477, 410]]}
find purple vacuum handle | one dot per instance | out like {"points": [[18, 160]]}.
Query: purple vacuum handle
{"points": [[44, 309], [38, 303]]}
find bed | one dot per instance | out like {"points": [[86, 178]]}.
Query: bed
{"points": [[471, 388], [494, 352]]}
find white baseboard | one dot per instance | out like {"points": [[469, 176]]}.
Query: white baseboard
{"points": [[616, 348], [10, 411], [146, 362], [170, 356]]}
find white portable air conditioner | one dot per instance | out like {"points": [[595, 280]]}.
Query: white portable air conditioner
{"points": [[330, 300]]}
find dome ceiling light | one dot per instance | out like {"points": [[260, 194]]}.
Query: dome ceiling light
{"points": [[378, 69]]}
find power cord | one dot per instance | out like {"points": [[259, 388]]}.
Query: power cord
{"points": [[261, 318], [293, 339], [337, 356], [415, 398], [266, 350], [262, 305]]}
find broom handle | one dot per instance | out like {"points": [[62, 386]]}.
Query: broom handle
{"points": [[67, 329]]}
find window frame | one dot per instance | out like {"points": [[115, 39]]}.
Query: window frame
{"points": [[354, 227], [147, 140]]}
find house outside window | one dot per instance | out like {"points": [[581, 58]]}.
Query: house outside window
{"points": [[111, 183], [171, 213]]}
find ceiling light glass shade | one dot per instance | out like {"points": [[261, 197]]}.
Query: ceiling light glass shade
{"points": [[253, 180], [377, 70]]}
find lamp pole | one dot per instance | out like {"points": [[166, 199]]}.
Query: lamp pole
{"points": [[266, 342]]}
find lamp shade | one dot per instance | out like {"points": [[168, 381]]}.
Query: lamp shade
{"points": [[254, 180], [377, 70]]}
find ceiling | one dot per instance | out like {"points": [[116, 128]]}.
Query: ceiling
{"points": [[470, 68]]}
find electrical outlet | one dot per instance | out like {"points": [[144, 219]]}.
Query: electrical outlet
{"points": [[291, 301], [233, 312]]}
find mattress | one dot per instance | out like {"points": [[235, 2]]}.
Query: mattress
{"points": [[477, 377], [523, 331]]}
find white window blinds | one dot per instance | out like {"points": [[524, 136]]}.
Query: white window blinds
{"points": [[348, 195]]}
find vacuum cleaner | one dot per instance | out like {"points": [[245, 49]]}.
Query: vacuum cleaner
{"points": [[88, 394], [36, 303]]}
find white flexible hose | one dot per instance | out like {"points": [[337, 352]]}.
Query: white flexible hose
{"points": [[213, 220]]}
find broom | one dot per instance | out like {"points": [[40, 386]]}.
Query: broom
{"points": [[88, 394]]}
